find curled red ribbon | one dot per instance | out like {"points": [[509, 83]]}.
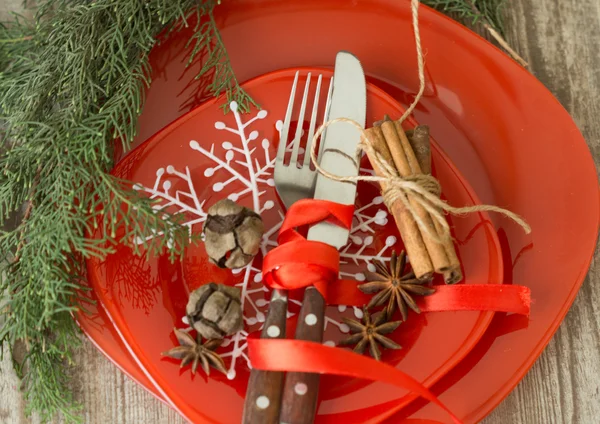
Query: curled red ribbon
{"points": [[275, 354], [297, 263]]}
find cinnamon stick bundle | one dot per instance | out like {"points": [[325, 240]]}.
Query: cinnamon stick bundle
{"points": [[410, 154]]}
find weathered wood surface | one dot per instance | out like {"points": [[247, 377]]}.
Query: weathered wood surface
{"points": [[561, 41]]}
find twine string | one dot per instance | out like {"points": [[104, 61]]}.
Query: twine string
{"points": [[414, 8], [423, 189]]}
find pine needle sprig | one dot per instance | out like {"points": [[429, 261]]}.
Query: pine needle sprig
{"points": [[488, 13], [42, 396], [217, 62], [14, 37], [473, 10], [72, 80]]}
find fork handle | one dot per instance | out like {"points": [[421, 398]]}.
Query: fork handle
{"points": [[263, 397], [301, 390]]}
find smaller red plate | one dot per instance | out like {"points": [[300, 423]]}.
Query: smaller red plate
{"points": [[202, 158]]}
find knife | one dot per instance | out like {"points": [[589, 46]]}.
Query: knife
{"points": [[349, 100]]}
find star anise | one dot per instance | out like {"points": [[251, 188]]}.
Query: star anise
{"points": [[196, 352], [371, 332], [394, 286]]}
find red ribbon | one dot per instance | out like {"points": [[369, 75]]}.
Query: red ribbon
{"points": [[297, 263], [301, 356], [465, 297]]}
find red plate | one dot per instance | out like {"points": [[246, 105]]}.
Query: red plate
{"points": [[498, 124], [200, 159], [99, 328]]}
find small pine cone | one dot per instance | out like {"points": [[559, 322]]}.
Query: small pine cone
{"points": [[232, 234], [214, 310]]}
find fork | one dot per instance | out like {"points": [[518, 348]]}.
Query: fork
{"points": [[293, 181]]}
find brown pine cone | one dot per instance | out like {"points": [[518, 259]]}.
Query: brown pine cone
{"points": [[232, 234], [214, 310]]}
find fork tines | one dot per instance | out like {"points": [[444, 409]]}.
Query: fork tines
{"points": [[295, 145]]}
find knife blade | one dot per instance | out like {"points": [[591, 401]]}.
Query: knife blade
{"points": [[349, 100]]}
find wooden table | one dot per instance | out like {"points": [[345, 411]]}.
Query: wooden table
{"points": [[561, 41]]}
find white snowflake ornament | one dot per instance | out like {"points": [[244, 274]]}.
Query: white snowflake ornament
{"points": [[241, 169]]}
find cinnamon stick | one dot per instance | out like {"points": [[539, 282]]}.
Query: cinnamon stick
{"points": [[409, 230], [420, 143], [406, 164]]}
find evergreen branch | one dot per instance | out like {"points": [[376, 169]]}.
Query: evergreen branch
{"points": [[217, 61], [225, 78], [71, 82], [473, 10], [42, 394], [27, 212], [486, 12], [16, 40]]}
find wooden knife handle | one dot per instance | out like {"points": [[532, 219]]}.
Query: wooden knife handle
{"points": [[263, 396], [301, 390]]}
